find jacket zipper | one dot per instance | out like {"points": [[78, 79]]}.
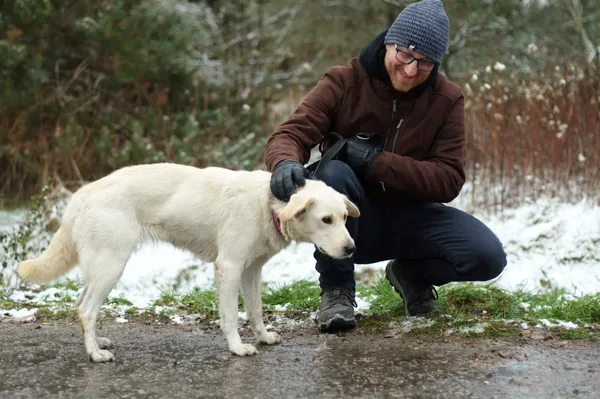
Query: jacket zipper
{"points": [[388, 135], [396, 135], [393, 143], [388, 131], [400, 122]]}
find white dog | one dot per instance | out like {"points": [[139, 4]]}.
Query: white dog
{"points": [[223, 216]]}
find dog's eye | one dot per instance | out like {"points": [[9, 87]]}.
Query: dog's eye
{"points": [[327, 220]]}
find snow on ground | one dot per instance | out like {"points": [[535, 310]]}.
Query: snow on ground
{"points": [[546, 242], [9, 218], [551, 241]]}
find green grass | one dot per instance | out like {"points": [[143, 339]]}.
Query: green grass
{"points": [[196, 301], [67, 284], [531, 306], [466, 300], [120, 301], [382, 298], [10, 304], [469, 305], [302, 295], [45, 314], [467, 309]]}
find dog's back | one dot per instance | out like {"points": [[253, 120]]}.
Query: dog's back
{"points": [[168, 202], [148, 187]]}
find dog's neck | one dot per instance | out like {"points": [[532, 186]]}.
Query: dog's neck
{"points": [[281, 227], [275, 207]]}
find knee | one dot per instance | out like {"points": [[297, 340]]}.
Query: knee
{"points": [[492, 263], [483, 264], [339, 176]]}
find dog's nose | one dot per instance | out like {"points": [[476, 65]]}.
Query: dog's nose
{"points": [[349, 249]]}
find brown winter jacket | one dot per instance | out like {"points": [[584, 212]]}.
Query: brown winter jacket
{"points": [[423, 130]]}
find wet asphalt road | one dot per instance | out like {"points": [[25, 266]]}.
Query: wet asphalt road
{"points": [[167, 361]]}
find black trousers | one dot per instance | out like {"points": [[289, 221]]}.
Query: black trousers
{"points": [[434, 243]]}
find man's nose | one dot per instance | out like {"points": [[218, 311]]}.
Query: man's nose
{"points": [[411, 69]]}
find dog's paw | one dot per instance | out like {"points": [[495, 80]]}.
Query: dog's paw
{"points": [[102, 356], [270, 338], [244, 350], [104, 343]]}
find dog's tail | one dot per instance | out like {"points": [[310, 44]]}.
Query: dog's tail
{"points": [[56, 260]]}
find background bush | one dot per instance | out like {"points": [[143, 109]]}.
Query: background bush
{"points": [[90, 86]]}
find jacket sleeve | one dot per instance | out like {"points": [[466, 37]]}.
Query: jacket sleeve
{"points": [[439, 177], [306, 126]]}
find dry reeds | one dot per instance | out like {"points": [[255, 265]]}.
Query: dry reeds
{"points": [[534, 135]]}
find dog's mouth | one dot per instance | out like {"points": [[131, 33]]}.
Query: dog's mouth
{"points": [[321, 250]]}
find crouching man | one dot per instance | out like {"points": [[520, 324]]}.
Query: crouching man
{"points": [[400, 180]]}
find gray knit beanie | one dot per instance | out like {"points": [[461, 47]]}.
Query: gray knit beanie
{"points": [[422, 27]]}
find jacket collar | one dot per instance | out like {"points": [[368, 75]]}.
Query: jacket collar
{"points": [[372, 59]]}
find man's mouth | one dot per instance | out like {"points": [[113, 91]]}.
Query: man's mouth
{"points": [[403, 76]]}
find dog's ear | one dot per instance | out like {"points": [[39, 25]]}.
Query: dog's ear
{"points": [[297, 207], [351, 208]]}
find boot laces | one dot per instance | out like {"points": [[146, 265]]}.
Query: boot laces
{"points": [[426, 293], [341, 295]]}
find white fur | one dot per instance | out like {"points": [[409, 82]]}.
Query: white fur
{"points": [[222, 216]]}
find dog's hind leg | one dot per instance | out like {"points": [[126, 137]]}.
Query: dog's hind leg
{"points": [[102, 273], [103, 343], [228, 276], [251, 278]]}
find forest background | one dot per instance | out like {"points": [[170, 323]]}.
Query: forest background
{"points": [[90, 86]]}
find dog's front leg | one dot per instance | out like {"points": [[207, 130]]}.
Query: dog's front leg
{"points": [[252, 302], [228, 276]]}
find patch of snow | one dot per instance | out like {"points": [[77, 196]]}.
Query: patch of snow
{"points": [[24, 315]]}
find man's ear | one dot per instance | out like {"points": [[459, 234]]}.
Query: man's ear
{"points": [[351, 208], [296, 207]]}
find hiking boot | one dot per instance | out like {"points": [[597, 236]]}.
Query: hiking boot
{"points": [[337, 309], [418, 299]]}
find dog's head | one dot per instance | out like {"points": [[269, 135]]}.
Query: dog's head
{"points": [[317, 214]]}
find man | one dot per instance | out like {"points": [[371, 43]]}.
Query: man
{"points": [[393, 89]]}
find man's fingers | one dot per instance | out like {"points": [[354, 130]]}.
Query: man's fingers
{"points": [[288, 185], [277, 188], [285, 180], [306, 172], [298, 176]]}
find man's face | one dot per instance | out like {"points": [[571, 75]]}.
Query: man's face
{"points": [[404, 77]]}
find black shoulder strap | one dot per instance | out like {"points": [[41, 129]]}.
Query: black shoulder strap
{"points": [[331, 152]]}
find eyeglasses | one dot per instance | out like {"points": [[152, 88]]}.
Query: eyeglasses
{"points": [[404, 58]]}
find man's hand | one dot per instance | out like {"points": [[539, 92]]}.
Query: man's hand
{"points": [[360, 154], [286, 176]]}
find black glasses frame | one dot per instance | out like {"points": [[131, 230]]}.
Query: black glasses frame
{"points": [[422, 64]]}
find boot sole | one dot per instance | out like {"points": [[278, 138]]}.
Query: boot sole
{"points": [[337, 323], [396, 284]]}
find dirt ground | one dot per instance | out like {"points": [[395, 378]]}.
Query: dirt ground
{"points": [[160, 361]]}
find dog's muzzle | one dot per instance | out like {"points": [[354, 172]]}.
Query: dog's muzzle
{"points": [[348, 251]]}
